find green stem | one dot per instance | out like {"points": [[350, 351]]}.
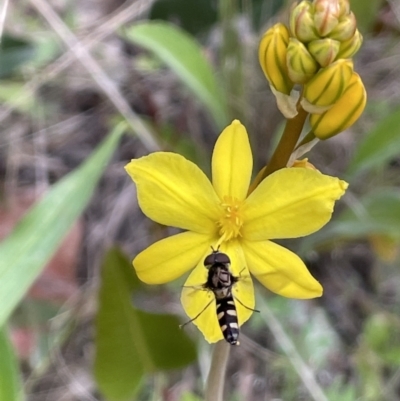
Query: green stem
{"points": [[287, 143], [285, 147], [216, 377]]}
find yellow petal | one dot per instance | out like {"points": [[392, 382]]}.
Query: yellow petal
{"points": [[280, 270], [195, 299], [169, 258], [232, 162], [173, 191], [290, 203]]}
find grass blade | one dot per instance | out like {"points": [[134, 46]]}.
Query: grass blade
{"points": [[36, 237], [184, 56], [10, 389]]}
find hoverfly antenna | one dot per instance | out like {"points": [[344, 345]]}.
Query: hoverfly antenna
{"points": [[215, 250]]}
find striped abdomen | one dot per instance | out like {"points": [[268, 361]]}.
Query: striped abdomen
{"points": [[227, 318]]}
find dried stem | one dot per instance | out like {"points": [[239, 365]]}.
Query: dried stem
{"points": [[104, 82]]}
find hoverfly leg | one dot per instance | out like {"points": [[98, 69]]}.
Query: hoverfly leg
{"points": [[191, 320], [247, 307], [195, 287]]}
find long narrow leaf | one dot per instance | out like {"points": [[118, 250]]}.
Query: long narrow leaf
{"points": [[184, 56], [379, 146], [36, 237], [376, 213], [10, 385]]}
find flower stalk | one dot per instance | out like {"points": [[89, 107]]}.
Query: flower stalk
{"points": [[287, 144], [216, 376]]}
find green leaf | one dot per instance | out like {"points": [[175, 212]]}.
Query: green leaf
{"points": [[382, 335], [184, 56], [36, 237], [17, 95], [378, 147], [340, 390], [130, 342], [192, 16], [13, 53], [10, 386], [375, 213]]}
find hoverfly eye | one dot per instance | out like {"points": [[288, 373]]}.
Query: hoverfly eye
{"points": [[209, 260], [222, 258]]}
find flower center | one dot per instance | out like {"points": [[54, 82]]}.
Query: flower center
{"points": [[231, 219]]}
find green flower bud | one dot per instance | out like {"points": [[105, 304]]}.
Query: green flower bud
{"points": [[324, 50], [350, 47], [344, 113], [344, 6], [301, 65], [272, 56], [302, 22], [326, 87], [345, 29], [326, 16]]}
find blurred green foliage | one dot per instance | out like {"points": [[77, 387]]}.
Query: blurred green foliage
{"points": [[14, 52], [184, 56], [378, 147], [10, 385], [24, 254], [131, 342]]}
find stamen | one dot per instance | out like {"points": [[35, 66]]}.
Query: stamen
{"points": [[231, 219]]}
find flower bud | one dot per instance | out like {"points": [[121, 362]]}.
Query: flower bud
{"points": [[326, 87], [385, 246], [351, 46], [272, 56], [301, 66], [345, 29], [326, 15], [302, 22], [303, 163], [344, 113], [324, 50], [344, 6]]}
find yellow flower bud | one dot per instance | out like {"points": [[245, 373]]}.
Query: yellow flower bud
{"points": [[326, 15], [326, 87], [350, 47], [345, 29], [301, 66], [302, 22], [385, 246], [344, 113], [272, 56], [324, 50], [304, 163]]}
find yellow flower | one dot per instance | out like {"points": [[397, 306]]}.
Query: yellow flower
{"points": [[289, 203]]}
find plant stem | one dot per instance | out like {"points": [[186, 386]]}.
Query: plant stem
{"points": [[287, 143], [216, 377]]}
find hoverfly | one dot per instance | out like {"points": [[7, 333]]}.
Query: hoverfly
{"points": [[220, 282]]}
